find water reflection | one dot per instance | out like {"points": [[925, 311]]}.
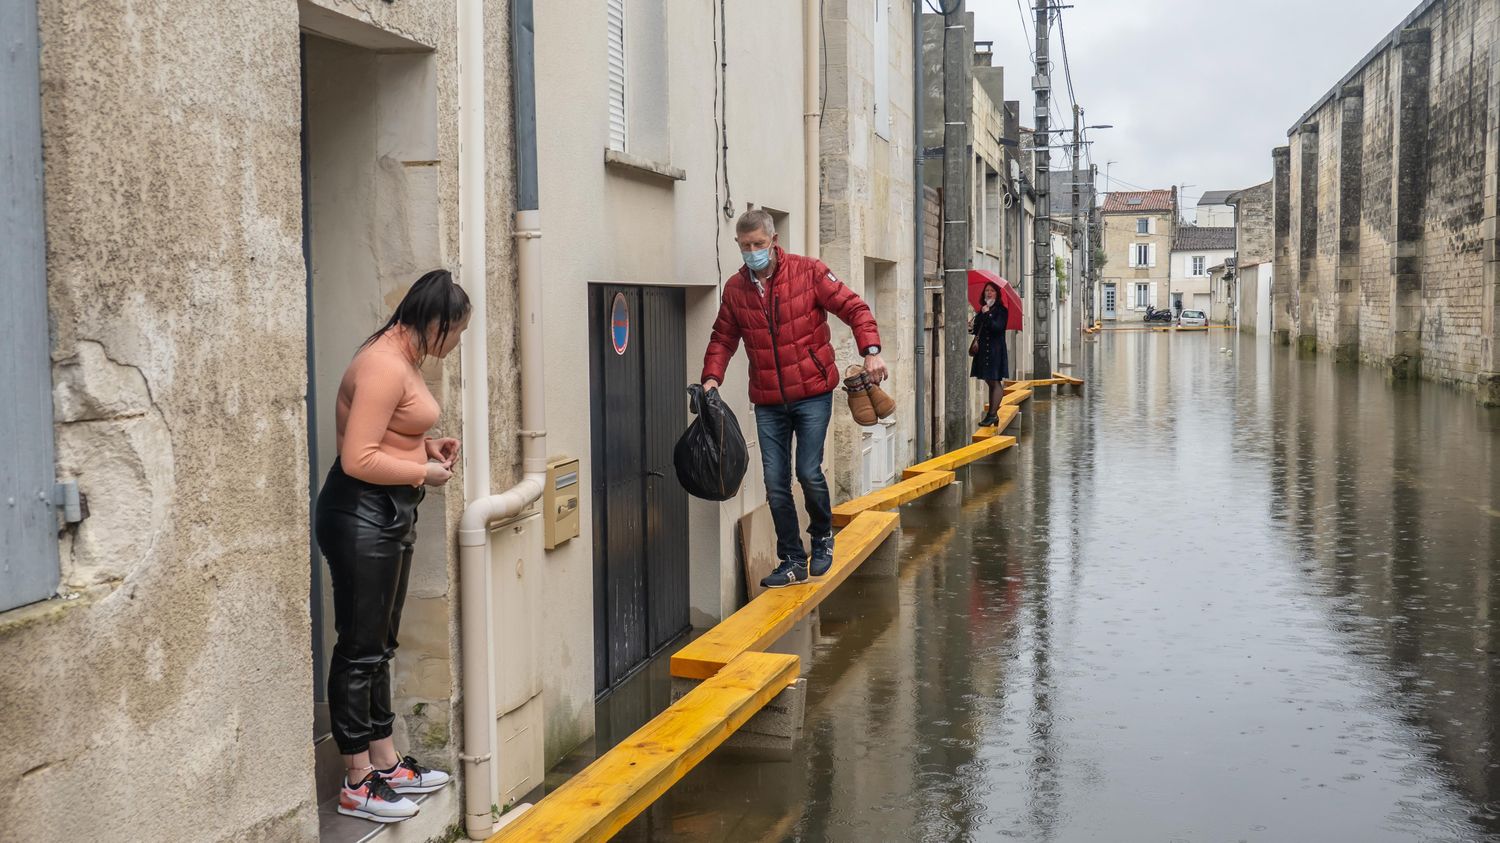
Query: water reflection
{"points": [[1219, 596]]}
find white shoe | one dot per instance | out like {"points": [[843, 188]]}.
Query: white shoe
{"points": [[374, 800], [411, 777]]}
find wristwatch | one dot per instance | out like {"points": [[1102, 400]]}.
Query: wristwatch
{"points": [[872, 351]]}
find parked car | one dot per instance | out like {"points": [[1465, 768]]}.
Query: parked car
{"points": [[1193, 318]]}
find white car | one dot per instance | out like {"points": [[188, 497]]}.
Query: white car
{"points": [[1193, 319]]}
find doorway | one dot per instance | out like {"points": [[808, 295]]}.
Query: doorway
{"points": [[638, 353], [1109, 301], [370, 228]]}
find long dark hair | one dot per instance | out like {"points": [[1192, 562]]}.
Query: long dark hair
{"points": [[434, 298]]}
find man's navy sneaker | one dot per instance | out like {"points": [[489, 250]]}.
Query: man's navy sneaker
{"points": [[822, 555], [789, 572]]}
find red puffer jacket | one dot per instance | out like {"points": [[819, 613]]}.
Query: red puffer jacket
{"points": [[790, 355]]}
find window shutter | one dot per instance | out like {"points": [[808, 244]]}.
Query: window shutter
{"points": [[616, 59], [1151, 225], [1151, 296], [1151, 255], [1130, 260]]}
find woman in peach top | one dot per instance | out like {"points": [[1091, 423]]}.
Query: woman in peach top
{"points": [[366, 526]]}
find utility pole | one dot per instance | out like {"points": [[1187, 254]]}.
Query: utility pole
{"points": [[958, 253], [1042, 275], [1080, 233]]}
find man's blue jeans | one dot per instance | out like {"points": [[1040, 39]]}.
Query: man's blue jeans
{"points": [[807, 421]]}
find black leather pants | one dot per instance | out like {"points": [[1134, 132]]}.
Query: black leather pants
{"points": [[366, 533]]}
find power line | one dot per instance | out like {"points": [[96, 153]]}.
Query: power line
{"points": [[1026, 30], [1062, 36]]}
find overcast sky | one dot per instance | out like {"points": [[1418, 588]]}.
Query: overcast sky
{"points": [[1198, 91]]}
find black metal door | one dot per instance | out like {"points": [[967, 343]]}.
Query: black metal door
{"points": [[638, 353]]}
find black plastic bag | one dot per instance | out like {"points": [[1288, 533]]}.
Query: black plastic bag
{"points": [[711, 457]]}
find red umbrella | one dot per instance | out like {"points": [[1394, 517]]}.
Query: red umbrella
{"points": [[981, 278]]}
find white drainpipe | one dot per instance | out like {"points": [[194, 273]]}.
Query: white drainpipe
{"points": [[485, 509], [811, 112]]}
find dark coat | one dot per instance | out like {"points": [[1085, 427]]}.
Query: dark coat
{"points": [[992, 363], [785, 329]]}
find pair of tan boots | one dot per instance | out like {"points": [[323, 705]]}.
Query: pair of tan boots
{"points": [[867, 401]]}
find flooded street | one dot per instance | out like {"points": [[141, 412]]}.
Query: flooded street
{"points": [[1214, 597]]}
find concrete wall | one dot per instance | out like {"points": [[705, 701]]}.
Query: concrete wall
{"points": [[1119, 236], [177, 290], [867, 213], [1389, 179]]}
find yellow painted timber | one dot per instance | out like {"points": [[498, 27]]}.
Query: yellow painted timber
{"points": [[623, 782], [891, 496], [1016, 397], [962, 456], [1007, 414], [1067, 379], [760, 622]]}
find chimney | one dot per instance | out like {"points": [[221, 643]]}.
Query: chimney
{"points": [[984, 53]]}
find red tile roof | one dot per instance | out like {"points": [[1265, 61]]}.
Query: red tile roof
{"points": [[1132, 201]]}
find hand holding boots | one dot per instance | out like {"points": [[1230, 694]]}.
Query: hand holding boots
{"points": [[867, 401]]}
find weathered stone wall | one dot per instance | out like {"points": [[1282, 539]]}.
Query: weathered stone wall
{"points": [[1388, 239], [171, 689], [1375, 227], [1254, 242]]}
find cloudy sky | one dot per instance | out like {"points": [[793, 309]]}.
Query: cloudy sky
{"points": [[1198, 91]]}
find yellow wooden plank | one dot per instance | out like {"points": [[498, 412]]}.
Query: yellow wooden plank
{"points": [[1007, 414], [613, 790], [1067, 379], [963, 456], [891, 496], [1016, 397], [759, 623]]}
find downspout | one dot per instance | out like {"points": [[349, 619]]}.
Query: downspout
{"points": [[919, 275], [485, 509], [812, 112]]}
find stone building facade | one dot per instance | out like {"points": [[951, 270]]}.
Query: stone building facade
{"points": [[868, 218], [1139, 228], [1385, 204]]}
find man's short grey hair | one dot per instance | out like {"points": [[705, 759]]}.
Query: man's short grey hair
{"points": [[753, 219]]}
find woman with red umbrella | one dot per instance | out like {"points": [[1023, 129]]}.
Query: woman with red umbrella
{"points": [[991, 363]]}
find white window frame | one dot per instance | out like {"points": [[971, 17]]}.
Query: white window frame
{"points": [[1200, 266], [1142, 225], [1142, 296], [1140, 255]]}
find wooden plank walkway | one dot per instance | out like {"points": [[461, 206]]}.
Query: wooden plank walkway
{"points": [[963, 456], [623, 782], [1008, 413], [891, 496], [760, 622], [1015, 397]]}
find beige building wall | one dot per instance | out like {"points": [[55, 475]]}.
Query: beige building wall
{"points": [[1119, 237], [177, 291], [625, 223]]}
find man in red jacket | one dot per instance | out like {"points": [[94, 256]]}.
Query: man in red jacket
{"points": [[778, 304]]}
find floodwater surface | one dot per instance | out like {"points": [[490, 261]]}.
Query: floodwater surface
{"points": [[1215, 596]]}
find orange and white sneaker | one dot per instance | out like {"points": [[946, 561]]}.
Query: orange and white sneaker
{"points": [[373, 799], [410, 777]]}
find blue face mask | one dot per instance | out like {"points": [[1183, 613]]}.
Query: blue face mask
{"points": [[758, 259]]}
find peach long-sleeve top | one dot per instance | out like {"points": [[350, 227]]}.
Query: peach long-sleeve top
{"points": [[383, 415]]}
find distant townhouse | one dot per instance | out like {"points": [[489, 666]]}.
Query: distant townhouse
{"points": [[1195, 250], [1139, 227]]}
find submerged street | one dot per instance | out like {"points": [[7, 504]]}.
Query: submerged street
{"points": [[1218, 596]]}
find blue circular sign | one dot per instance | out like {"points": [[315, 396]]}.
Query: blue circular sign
{"points": [[619, 324]]}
